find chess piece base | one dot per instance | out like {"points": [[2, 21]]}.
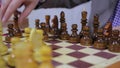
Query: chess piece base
{"points": [[86, 42], [114, 48], [99, 45], [74, 40]]}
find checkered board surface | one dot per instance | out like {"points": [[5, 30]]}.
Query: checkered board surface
{"points": [[75, 55]]}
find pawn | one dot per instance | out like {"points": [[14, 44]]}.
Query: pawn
{"points": [[37, 24], [114, 45], [100, 42], [27, 33], [64, 34], [86, 40], [74, 36], [43, 27], [10, 33]]}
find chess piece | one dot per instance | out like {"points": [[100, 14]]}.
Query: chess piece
{"points": [[62, 17], [36, 38], [62, 20], [27, 33], [114, 45], [119, 38], [96, 26], [100, 42], [10, 61], [23, 55], [74, 36], [48, 28], [46, 57], [10, 33], [64, 34], [3, 47], [108, 32], [10, 30], [2, 62], [86, 40], [18, 32], [43, 27], [83, 22], [37, 24], [14, 40], [108, 28], [55, 30]]}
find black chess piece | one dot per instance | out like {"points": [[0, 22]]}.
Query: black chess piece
{"points": [[55, 30], [18, 32], [74, 36], [86, 39], [62, 20], [95, 26], [83, 22], [43, 27], [114, 45], [108, 32], [48, 28], [37, 24], [64, 34], [10, 30], [100, 42], [10, 33]]}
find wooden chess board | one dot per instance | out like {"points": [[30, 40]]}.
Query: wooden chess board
{"points": [[74, 55]]}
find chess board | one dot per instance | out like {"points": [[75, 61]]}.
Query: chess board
{"points": [[75, 55]]}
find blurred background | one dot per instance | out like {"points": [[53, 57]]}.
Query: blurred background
{"points": [[72, 13]]}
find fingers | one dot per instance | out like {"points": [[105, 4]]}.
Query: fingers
{"points": [[27, 10], [4, 7], [11, 9]]}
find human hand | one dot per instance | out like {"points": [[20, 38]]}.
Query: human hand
{"points": [[8, 7]]}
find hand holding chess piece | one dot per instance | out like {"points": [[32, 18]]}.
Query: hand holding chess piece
{"points": [[11, 6]]}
